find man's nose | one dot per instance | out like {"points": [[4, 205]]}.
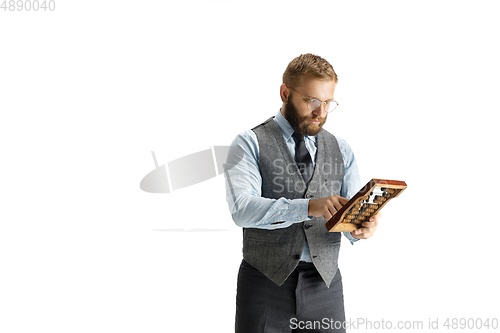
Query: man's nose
{"points": [[320, 111]]}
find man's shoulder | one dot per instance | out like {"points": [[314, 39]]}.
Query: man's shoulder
{"points": [[262, 124], [341, 142], [249, 137], [329, 137]]}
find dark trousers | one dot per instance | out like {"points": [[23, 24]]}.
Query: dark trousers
{"points": [[302, 304]]}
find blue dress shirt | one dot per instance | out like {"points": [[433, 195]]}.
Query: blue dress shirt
{"points": [[243, 192]]}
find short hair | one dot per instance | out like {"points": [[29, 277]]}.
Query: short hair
{"points": [[308, 64]]}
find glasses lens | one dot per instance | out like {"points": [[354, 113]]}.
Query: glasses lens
{"points": [[331, 106], [313, 104]]}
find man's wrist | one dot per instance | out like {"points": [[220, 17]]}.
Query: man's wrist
{"points": [[350, 237], [301, 209]]}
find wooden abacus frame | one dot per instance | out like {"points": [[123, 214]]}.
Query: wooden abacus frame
{"points": [[364, 205]]}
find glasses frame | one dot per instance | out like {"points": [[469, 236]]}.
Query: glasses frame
{"points": [[309, 100]]}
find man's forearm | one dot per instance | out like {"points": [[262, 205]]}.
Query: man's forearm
{"points": [[259, 212]]}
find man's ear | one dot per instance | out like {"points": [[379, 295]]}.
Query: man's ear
{"points": [[284, 93]]}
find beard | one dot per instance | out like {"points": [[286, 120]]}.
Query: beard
{"points": [[300, 123]]}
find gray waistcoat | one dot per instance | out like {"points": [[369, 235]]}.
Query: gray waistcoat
{"points": [[277, 252]]}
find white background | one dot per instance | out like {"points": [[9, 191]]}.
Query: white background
{"points": [[89, 90]]}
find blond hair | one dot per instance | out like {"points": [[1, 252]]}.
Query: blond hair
{"points": [[308, 64]]}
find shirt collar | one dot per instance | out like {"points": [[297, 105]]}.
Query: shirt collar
{"points": [[287, 129]]}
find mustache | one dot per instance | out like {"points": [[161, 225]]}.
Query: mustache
{"points": [[318, 118]]}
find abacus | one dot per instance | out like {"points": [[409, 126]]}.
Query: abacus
{"points": [[365, 204]]}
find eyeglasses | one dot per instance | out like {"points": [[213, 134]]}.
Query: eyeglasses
{"points": [[314, 103]]}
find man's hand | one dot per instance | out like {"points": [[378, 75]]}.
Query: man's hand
{"points": [[368, 229], [326, 207]]}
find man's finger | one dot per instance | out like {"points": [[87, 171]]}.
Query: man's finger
{"points": [[328, 216], [362, 234], [343, 201], [331, 208]]}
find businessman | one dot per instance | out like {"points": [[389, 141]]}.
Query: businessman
{"points": [[284, 179]]}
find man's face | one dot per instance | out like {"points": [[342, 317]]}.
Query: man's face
{"points": [[303, 120]]}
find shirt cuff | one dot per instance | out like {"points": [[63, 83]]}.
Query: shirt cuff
{"points": [[298, 210], [350, 238]]}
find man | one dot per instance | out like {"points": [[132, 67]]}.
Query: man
{"points": [[285, 178]]}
